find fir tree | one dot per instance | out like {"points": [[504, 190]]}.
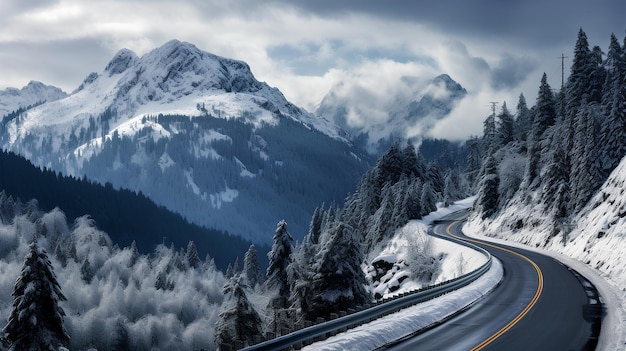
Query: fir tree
{"points": [[523, 123], [238, 320], [36, 320], [505, 129], [488, 197], [193, 259], [251, 268], [339, 282], [279, 259]]}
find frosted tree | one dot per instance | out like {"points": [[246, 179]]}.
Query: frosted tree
{"points": [[613, 131], [193, 258], [251, 269], [474, 160], [487, 200], [238, 320], [505, 125], [428, 199], [36, 319], [277, 277], [490, 135], [523, 123], [380, 223], [134, 254], [338, 282]]}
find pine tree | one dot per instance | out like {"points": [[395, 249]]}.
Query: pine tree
{"points": [[193, 258], [505, 131], [251, 268], [474, 157], [490, 135], [523, 123], [487, 200], [380, 223], [428, 199], [238, 320], [339, 282], [613, 130], [36, 320], [545, 112], [279, 258]]}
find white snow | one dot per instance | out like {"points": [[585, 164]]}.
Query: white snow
{"points": [[392, 327], [227, 195]]}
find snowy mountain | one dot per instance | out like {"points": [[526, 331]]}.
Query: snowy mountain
{"points": [[407, 115], [198, 134], [12, 99]]}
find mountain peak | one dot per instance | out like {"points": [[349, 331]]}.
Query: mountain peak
{"points": [[121, 61]]}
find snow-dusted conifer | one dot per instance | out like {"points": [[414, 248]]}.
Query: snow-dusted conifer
{"points": [[238, 320], [523, 123], [487, 200], [134, 254], [193, 258], [251, 269], [279, 259], [339, 282], [505, 126], [36, 320], [428, 199]]}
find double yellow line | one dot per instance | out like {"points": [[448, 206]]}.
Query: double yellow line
{"points": [[528, 307]]}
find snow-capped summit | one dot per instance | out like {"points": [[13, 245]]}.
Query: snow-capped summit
{"points": [[121, 61], [12, 99], [197, 133]]}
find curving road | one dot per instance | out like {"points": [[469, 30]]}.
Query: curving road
{"points": [[539, 305]]}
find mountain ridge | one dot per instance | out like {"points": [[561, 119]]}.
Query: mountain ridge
{"points": [[198, 134]]}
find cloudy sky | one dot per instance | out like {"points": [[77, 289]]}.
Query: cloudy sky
{"points": [[496, 49]]}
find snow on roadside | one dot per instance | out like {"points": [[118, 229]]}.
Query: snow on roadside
{"points": [[394, 326], [387, 329]]}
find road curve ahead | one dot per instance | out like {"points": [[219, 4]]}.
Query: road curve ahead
{"points": [[539, 305]]}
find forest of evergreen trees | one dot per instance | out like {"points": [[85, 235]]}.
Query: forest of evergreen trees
{"points": [[125, 215], [557, 153], [323, 274]]}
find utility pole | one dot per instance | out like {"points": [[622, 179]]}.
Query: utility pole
{"points": [[563, 57]]}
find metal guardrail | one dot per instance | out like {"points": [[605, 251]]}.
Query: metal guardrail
{"points": [[377, 310]]}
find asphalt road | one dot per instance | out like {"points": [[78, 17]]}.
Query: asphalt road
{"points": [[539, 305]]}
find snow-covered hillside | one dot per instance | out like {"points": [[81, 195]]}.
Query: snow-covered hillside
{"points": [[410, 112], [12, 99], [195, 132]]}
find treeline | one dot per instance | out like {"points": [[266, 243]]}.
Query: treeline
{"points": [[557, 153], [127, 216]]}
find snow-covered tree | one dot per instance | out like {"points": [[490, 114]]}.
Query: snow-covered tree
{"points": [[36, 320], [523, 123], [193, 258], [487, 200], [238, 320], [338, 282], [251, 269], [277, 277], [505, 126]]}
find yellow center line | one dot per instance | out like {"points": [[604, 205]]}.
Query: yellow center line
{"points": [[528, 307]]}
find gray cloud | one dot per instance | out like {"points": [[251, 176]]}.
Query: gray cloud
{"points": [[510, 71], [67, 61]]}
